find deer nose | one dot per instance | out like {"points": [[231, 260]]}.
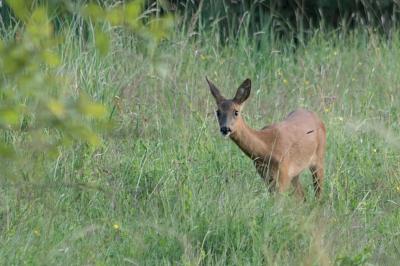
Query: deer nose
{"points": [[225, 130]]}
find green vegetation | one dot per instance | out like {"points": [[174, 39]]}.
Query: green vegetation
{"points": [[160, 185]]}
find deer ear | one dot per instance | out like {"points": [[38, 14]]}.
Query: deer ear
{"points": [[243, 92], [215, 92]]}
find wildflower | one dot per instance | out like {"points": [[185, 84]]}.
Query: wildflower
{"points": [[306, 82], [285, 82], [116, 226], [398, 188], [327, 110], [36, 232], [202, 57], [340, 119], [374, 150]]}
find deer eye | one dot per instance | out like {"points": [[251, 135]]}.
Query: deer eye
{"points": [[218, 113], [236, 113]]}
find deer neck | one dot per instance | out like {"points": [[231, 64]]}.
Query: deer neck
{"points": [[250, 141]]}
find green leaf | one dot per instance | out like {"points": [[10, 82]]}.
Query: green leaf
{"points": [[102, 42], [133, 9], [20, 8], [56, 107], [160, 28], [91, 109], [9, 116], [84, 134], [94, 12], [39, 26], [132, 14], [50, 58], [115, 17]]}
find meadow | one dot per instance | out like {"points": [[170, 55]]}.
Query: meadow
{"points": [[164, 187]]}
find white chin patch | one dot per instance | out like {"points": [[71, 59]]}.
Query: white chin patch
{"points": [[227, 135]]}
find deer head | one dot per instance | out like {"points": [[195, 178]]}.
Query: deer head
{"points": [[228, 110]]}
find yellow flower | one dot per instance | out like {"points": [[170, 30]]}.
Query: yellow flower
{"points": [[116, 226], [307, 82], [340, 118], [36, 232], [285, 81], [398, 188], [374, 150], [326, 110]]}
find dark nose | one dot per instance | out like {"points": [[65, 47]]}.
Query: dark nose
{"points": [[225, 130]]}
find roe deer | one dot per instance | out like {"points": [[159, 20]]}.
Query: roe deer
{"points": [[281, 151]]}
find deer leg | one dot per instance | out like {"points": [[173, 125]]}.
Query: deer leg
{"points": [[271, 183], [318, 179], [298, 188], [267, 174], [284, 181]]}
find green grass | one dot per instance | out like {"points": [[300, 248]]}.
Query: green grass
{"points": [[166, 188]]}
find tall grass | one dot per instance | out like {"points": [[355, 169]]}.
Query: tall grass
{"points": [[165, 188]]}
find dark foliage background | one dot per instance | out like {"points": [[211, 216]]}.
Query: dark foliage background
{"points": [[290, 18], [283, 17]]}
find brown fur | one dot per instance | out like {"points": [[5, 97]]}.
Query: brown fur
{"points": [[281, 151]]}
